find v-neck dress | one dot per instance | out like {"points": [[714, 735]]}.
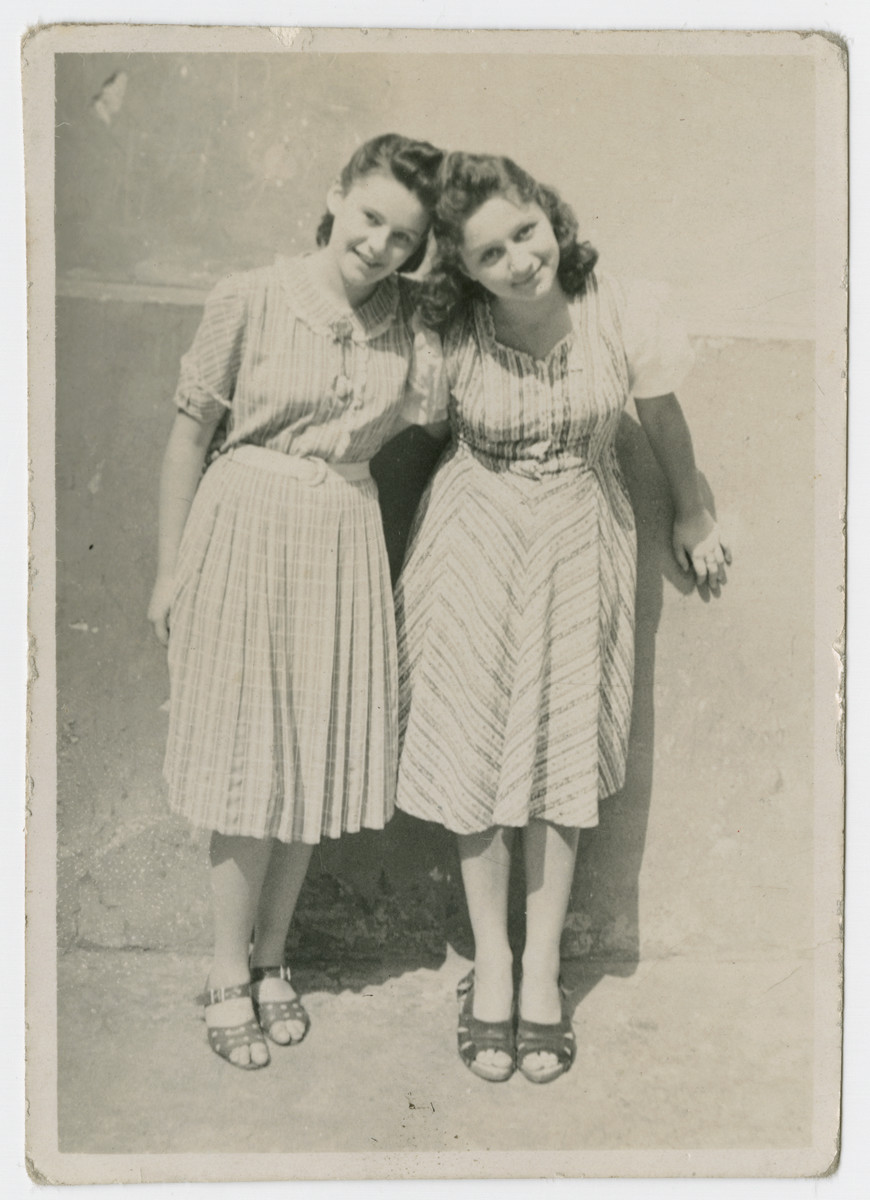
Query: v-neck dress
{"points": [[282, 650], [516, 603]]}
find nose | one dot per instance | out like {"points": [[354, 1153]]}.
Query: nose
{"points": [[377, 240], [520, 262]]}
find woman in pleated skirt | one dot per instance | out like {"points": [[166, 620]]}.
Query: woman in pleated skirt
{"points": [[273, 589]]}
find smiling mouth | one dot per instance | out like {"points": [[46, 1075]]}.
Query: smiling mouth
{"points": [[519, 283], [371, 265]]}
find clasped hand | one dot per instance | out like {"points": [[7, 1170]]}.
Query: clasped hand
{"points": [[698, 547]]}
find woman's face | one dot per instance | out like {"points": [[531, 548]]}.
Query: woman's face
{"points": [[377, 225], [509, 247]]}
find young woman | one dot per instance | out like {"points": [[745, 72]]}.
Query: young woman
{"points": [[516, 604], [273, 590]]}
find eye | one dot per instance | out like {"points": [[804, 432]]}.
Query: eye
{"points": [[404, 238], [526, 232], [372, 218], [490, 256]]}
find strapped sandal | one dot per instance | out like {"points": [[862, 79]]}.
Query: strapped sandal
{"points": [[558, 1040], [224, 1039], [270, 1012], [474, 1036]]}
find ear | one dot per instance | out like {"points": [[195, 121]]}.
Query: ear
{"points": [[334, 198]]}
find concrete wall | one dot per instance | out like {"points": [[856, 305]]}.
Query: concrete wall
{"points": [[691, 169], [202, 165]]}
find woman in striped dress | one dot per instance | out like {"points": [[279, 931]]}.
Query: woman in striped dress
{"points": [[273, 591], [516, 604]]}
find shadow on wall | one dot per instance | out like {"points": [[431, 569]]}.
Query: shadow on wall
{"points": [[603, 928]]}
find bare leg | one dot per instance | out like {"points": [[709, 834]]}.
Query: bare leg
{"points": [[288, 865], [550, 852], [238, 867], [485, 859]]}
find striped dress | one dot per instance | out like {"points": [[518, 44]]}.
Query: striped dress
{"points": [[516, 604], [282, 651]]}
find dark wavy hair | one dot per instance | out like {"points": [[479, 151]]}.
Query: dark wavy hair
{"points": [[467, 182], [413, 164]]}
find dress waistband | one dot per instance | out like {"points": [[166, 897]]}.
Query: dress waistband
{"points": [[528, 468], [308, 468]]}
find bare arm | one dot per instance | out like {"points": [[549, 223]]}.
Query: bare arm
{"points": [[696, 541], [179, 479]]}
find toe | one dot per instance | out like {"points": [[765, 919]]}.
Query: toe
{"points": [[492, 1064], [259, 1054], [540, 1063], [493, 1058], [280, 1033], [240, 1055]]}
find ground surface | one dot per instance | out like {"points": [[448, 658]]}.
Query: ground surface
{"points": [[681, 1054]]}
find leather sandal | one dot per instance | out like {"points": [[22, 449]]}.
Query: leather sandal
{"points": [[224, 1039], [559, 1040], [270, 1012], [473, 1036]]}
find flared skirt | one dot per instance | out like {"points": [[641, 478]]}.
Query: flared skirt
{"points": [[515, 616]]}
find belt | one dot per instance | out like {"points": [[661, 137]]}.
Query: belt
{"points": [[307, 467], [527, 468]]}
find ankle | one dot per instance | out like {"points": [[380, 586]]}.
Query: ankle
{"points": [[544, 966], [267, 959], [268, 950], [227, 972], [495, 960]]}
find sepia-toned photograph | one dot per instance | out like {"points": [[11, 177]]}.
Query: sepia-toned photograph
{"points": [[438, 450]]}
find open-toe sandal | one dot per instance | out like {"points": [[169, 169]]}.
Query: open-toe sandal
{"points": [[270, 1012], [536, 1038], [474, 1036], [224, 1039]]}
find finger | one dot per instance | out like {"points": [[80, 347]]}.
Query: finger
{"points": [[700, 566], [714, 576], [715, 545], [715, 558], [707, 549], [681, 557]]}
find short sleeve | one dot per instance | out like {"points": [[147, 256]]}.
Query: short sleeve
{"points": [[210, 367], [425, 400], [657, 346]]}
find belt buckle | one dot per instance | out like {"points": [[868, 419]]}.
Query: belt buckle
{"points": [[319, 469]]}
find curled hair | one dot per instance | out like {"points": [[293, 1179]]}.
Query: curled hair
{"points": [[413, 164], [467, 182]]}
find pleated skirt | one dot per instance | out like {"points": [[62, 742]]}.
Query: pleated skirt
{"points": [[282, 660], [516, 647]]}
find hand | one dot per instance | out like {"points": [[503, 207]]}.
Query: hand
{"points": [[158, 608], [698, 546]]}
